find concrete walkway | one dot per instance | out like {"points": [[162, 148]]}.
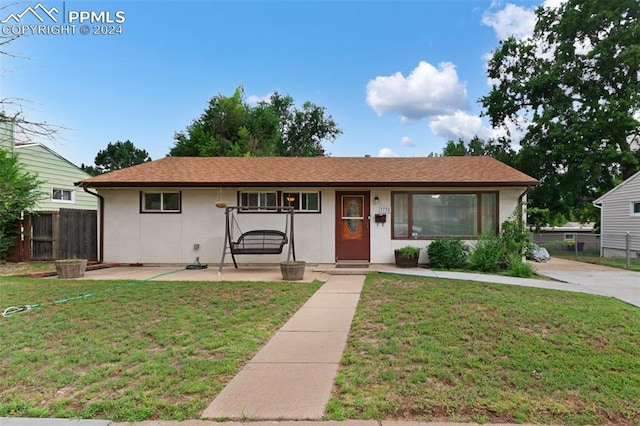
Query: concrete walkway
{"points": [[291, 377], [566, 275]]}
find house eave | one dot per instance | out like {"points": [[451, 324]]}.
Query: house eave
{"points": [[302, 184]]}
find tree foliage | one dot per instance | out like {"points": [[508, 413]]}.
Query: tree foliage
{"points": [[499, 149], [117, 156], [574, 89], [230, 127], [19, 194]]}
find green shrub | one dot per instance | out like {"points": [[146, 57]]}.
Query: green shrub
{"points": [[494, 253], [488, 255], [447, 254], [410, 251], [518, 268]]}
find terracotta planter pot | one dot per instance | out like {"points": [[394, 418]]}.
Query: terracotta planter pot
{"points": [[292, 270], [71, 268]]}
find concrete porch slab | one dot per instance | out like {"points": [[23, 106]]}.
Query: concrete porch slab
{"points": [[275, 392], [303, 347]]}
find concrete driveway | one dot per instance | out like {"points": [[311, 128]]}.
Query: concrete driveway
{"points": [[613, 282]]}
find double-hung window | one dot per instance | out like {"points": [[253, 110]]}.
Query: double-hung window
{"points": [[635, 208], [161, 202], [432, 214]]}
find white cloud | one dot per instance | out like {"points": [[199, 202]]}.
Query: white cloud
{"points": [[386, 152], [407, 141], [464, 126], [254, 100], [511, 21], [426, 92], [458, 125], [515, 20]]}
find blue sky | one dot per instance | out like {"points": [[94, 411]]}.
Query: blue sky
{"points": [[399, 77]]}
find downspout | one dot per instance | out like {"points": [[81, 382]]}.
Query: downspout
{"points": [[100, 223], [520, 198], [599, 206]]}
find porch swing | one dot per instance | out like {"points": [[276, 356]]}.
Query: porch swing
{"points": [[257, 241]]}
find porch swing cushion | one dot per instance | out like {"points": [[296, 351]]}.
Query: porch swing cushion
{"points": [[266, 241]]}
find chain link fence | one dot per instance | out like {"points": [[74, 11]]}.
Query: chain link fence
{"points": [[583, 245]]}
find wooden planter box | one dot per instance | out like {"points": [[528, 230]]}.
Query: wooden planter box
{"points": [[403, 261], [71, 268], [292, 270]]}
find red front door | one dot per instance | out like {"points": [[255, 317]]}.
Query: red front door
{"points": [[352, 226]]}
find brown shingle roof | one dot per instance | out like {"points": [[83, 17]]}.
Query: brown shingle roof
{"points": [[315, 171]]}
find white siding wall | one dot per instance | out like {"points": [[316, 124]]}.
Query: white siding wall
{"points": [[616, 219], [134, 237]]}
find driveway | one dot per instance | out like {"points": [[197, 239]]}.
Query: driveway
{"points": [[613, 282]]}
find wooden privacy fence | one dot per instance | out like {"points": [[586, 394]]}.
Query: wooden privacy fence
{"points": [[57, 235]]}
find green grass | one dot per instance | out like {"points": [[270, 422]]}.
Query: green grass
{"points": [[614, 262], [134, 351], [445, 350]]}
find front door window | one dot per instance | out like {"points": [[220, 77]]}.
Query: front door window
{"points": [[352, 217]]}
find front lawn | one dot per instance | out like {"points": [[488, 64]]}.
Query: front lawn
{"points": [[446, 350], [133, 350]]}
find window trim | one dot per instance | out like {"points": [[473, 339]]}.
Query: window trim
{"points": [[161, 211], [59, 188], [478, 195], [632, 211]]}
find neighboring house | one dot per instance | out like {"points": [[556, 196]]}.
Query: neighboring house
{"points": [[619, 216], [58, 176], [6, 135], [571, 236], [346, 209], [65, 219]]}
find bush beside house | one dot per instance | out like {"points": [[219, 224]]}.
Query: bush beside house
{"points": [[491, 253]]}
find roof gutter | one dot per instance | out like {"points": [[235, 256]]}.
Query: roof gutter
{"points": [[100, 222]]}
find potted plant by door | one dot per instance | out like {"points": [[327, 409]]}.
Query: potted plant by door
{"points": [[407, 256], [71, 268]]}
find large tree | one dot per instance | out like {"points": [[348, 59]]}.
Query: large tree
{"points": [[232, 127], [574, 89], [116, 156], [301, 131], [229, 127], [19, 193]]}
